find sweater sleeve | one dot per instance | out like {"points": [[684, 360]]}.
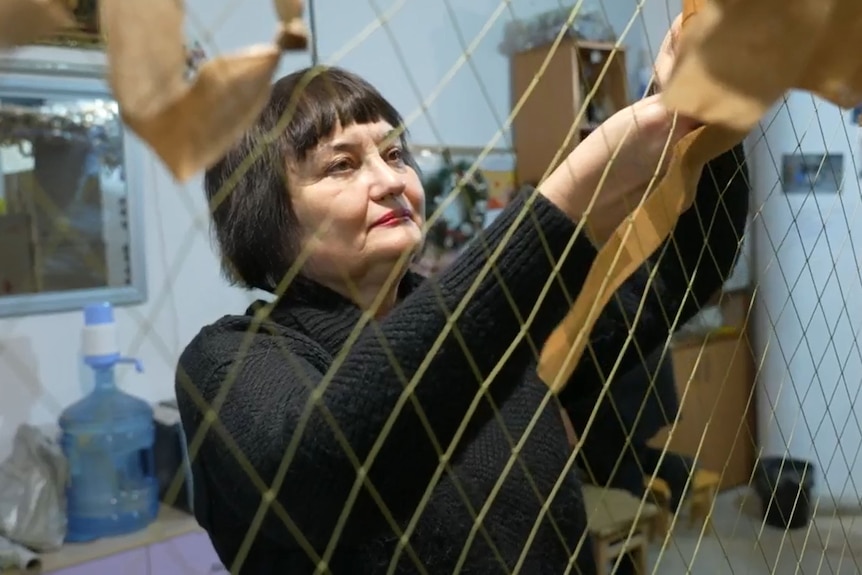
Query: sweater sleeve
{"points": [[689, 269], [272, 384]]}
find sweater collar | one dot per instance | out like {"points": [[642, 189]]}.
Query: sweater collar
{"points": [[324, 315]]}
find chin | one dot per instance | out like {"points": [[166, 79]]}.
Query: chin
{"points": [[400, 240]]}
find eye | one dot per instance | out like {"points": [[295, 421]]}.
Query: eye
{"points": [[395, 155], [339, 166]]}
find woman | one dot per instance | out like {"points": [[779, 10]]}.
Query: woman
{"points": [[304, 390]]}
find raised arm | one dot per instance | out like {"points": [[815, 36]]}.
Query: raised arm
{"points": [[689, 269]]}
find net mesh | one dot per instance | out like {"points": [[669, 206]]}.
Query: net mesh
{"points": [[807, 344]]}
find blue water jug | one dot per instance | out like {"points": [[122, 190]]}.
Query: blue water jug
{"points": [[108, 438]]}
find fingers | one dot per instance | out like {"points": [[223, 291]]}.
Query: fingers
{"points": [[651, 113], [649, 122], [671, 39], [675, 31], [660, 127], [667, 53], [678, 21]]}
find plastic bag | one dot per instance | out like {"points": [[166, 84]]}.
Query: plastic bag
{"points": [[542, 29], [14, 556], [32, 491]]}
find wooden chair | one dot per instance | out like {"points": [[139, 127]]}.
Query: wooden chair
{"points": [[660, 494], [619, 524], [702, 491], [704, 488]]}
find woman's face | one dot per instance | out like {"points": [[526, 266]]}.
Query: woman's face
{"points": [[360, 206]]}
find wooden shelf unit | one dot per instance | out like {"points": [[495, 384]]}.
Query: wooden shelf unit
{"points": [[544, 124]]}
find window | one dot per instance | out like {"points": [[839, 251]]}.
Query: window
{"points": [[70, 216]]}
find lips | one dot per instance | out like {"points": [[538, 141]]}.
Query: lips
{"points": [[393, 218]]}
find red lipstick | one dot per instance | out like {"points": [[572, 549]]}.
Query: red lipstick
{"points": [[392, 218]]}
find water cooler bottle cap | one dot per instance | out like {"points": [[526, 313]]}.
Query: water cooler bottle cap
{"points": [[98, 314], [100, 334], [100, 338]]}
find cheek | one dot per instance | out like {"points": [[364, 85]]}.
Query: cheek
{"points": [[332, 215], [335, 236], [415, 195]]}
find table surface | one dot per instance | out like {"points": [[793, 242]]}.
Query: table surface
{"points": [[169, 524]]}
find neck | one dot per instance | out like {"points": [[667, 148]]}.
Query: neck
{"points": [[376, 289], [371, 297]]}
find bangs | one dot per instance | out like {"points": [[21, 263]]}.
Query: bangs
{"points": [[332, 98]]}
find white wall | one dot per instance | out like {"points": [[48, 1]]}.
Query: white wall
{"points": [[804, 263], [803, 258], [806, 266], [419, 57], [39, 369], [808, 310]]}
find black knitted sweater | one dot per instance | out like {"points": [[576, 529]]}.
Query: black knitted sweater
{"points": [[508, 465]]}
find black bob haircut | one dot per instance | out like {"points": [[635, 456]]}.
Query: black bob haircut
{"points": [[253, 221]]}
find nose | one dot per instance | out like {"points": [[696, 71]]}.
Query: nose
{"points": [[388, 182]]}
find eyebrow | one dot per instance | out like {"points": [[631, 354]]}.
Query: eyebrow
{"points": [[347, 145]]}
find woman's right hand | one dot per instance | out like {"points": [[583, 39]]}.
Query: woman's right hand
{"points": [[608, 173], [615, 165]]}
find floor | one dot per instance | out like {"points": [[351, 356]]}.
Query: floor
{"points": [[741, 544]]}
